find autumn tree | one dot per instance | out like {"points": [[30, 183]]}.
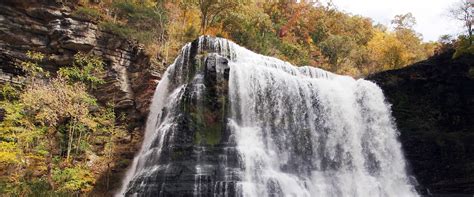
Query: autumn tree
{"points": [[49, 127], [404, 21], [211, 10], [300, 32], [387, 52], [464, 12], [251, 27], [416, 50], [337, 48]]}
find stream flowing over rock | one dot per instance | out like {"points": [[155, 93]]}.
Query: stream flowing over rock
{"points": [[225, 121]]}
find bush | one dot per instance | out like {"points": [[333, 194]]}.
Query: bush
{"points": [[75, 179], [87, 13], [53, 123], [145, 22], [463, 47], [142, 21], [118, 29], [87, 69]]}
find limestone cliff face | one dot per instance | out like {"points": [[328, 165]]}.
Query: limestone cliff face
{"points": [[50, 28], [433, 104]]}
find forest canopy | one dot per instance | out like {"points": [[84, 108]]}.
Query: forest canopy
{"points": [[303, 33]]}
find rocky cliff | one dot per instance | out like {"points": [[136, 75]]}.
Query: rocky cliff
{"points": [[433, 104], [432, 101], [187, 140], [54, 31], [50, 27]]}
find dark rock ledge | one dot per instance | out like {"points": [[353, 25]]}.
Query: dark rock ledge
{"points": [[433, 105]]}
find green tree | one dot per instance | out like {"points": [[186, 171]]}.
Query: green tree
{"points": [[337, 48], [87, 69], [211, 10], [251, 27]]}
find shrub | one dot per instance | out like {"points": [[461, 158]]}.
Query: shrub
{"points": [[118, 29], [87, 13], [463, 46], [87, 69], [75, 179], [53, 123]]}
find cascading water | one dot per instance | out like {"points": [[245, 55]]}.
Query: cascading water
{"points": [[281, 131]]}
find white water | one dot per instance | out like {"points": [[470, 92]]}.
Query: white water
{"points": [[158, 123], [300, 131]]}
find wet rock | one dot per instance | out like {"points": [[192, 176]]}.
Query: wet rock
{"points": [[199, 149]]}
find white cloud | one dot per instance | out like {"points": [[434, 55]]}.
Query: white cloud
{"points": [[431, 15]]}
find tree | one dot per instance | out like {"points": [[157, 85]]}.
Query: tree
{"points": [[50, 127], [411, 39], [211, 10], [251, 27], [387, 52], [337, 49], [86, 69], [404, 21], [464, 12]]}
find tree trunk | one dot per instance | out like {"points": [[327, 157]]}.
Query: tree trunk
{"points": [[70, 141], [49, 162], [78, 142], [203, 24], [470, 34]]}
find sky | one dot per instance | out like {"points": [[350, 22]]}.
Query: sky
{"points": [[432, 17]]}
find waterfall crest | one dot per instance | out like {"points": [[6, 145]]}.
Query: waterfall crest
{"points": [[228, 122]]}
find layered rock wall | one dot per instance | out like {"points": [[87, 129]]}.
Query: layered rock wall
{"points": [[49, 26], [52, 30]]}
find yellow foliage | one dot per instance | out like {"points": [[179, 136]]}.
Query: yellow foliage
{"points": [[387, 51], [217, 31], [55, 100], [9, 153], [40, 119]]}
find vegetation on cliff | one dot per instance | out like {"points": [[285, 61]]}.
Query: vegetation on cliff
{"points": [[55, 138]]}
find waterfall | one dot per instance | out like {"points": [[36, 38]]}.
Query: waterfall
{"points": [[287, 131]]}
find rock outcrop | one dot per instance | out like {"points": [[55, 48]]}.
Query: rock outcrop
{"points": [[193, 142], [433, 104], [54, 31], [50, 27]]}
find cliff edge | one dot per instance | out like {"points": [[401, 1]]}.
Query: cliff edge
{"points": [[433, 106]]}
